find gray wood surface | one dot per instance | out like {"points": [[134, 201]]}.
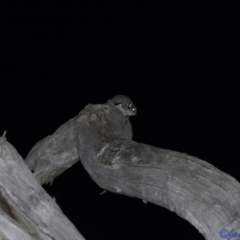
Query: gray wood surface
{"points": [[26, 210], [194, 189], [101, 136]]}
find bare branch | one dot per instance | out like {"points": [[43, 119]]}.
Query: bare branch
{"points": [[54, 154], [26, 210], [186, 185]]}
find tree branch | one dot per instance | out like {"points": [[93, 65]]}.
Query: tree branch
{"points": [[26, 210], [101, 136]]}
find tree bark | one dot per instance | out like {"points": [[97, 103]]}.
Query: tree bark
{"points": [[186, 185], [101, 136], [27, 212]]}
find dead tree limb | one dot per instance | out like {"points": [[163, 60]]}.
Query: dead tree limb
{"points": [[101, 136], [27, 212]]}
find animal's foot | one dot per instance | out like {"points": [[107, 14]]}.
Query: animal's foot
{"points": [[109, 151]]}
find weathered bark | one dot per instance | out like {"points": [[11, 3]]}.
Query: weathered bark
{"points": [[54, 154], [186, 185], [27, 212], [194, 189]]}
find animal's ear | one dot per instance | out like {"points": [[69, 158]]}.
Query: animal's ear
{"points": [[117, 103]]}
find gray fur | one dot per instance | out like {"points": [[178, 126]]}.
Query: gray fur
{"points": [[124, 104]]}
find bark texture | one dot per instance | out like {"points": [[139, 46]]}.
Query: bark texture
{"points": [[101, 136], [27, 212], [54, 154]]}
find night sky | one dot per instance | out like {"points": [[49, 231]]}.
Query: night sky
{"points": [[174, 59]]}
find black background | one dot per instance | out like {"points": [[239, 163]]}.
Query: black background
{"points": [[175, 59]]}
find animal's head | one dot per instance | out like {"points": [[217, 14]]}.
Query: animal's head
{"points": [[124, 104]]}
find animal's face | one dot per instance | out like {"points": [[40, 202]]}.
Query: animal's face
{"points": [[127, 108], [124, 104]]}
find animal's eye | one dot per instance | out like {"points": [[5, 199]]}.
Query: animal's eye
{"points": [[132, 107]]}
